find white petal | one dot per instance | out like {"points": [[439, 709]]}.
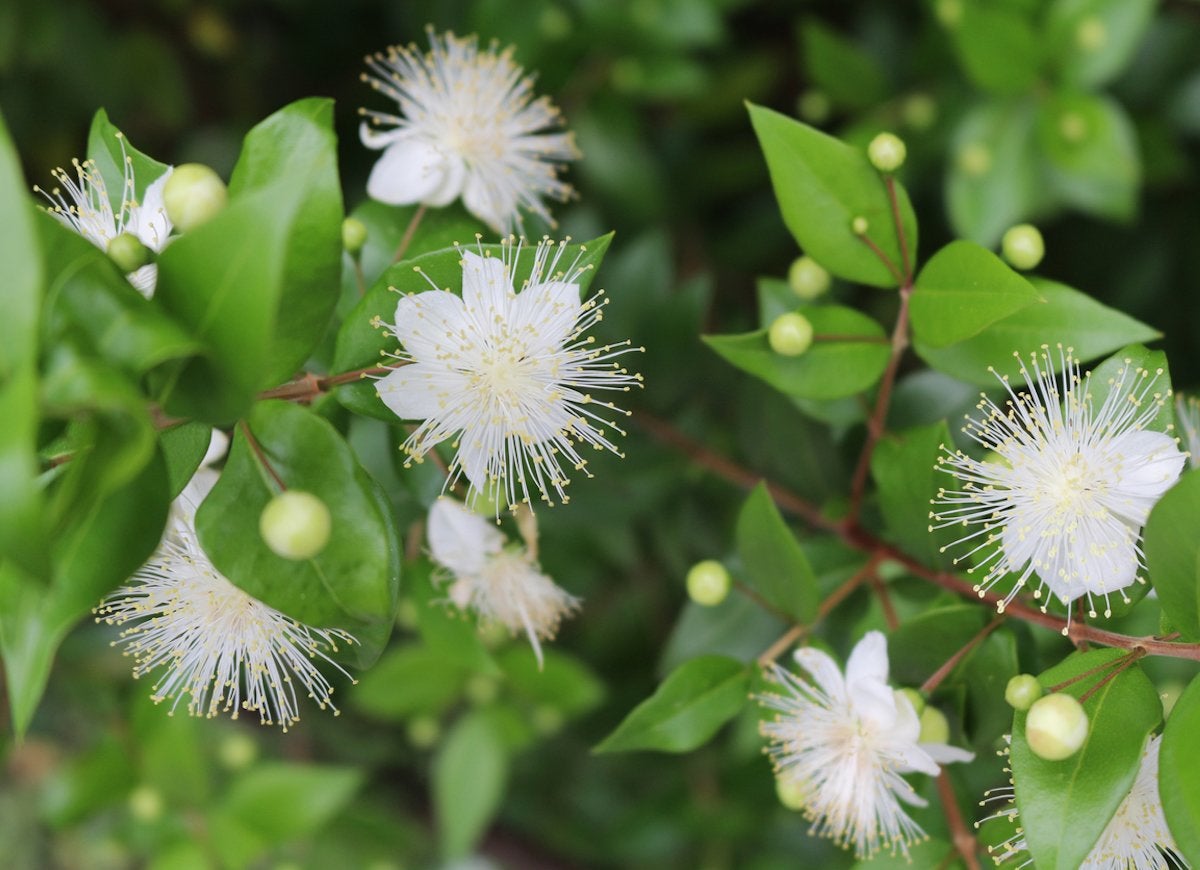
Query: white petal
{"points": [[824, 670], [373, 137], [914, 758], [868, 660], [153, 225], [473, 456], [431, 325], [1150, 463], [496, 208], [486, 290], [218, 443], [873, 702], [460, 539], [943, 753], [546, 313], [411, 170], [420, 392]]}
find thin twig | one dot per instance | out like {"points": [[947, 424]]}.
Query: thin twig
{"points": [[935, 679], [260, 456], [359, 277], [852, 339], [883, 258], [409, 231], [961, 835], [900, 234], [1123, 663], [885, 601]]}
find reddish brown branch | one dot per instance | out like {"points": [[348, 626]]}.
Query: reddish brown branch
{"points": [[935, 679], [960, 834], [260, 456]]}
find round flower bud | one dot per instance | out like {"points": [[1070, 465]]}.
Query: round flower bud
{"points": [[192, 195], [1055, 727], [1073, 127], [887, 152], [237, 752], [423, 732], [481, 690], [807, 278], [145, 803], [1091, 35], [814, 106], [859, 226], [975, 159], [790, 334], [708, 582], [128, 252], [295, 525], [1169, 693], [407, 615], [1022, 690], [1023, 246], [792, 792], [354, 235], [919, 111], [915, 698], [949, 12], [547, 720], [934, 727]]}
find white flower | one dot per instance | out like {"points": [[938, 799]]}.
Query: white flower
{"points": [[499, 582], [1187, 414], [222, 648], [83, 204], [510, 374], [1070, 485], [1136, 838], [468, 127], [846, 741]]}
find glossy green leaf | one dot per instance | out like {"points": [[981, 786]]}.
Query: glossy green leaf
{"points": [[961, 291], [184, 448], [22, 532], [849, 76], [1178, 761], [1171, 542], [1065, 805], [1067, 317], [773, 563], [21, 289], [923, 643], [903, 467], [408, 681], [469, 774], [560, 681], [353, 582], [296, 148], [362, 342], [848, 361], [997, 46], [822, 185], [1093, 41], [1091, 152], [994, 180], [112, 153], [986, 673], [686, 710]]}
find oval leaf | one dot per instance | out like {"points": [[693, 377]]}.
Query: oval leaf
{"points": [[1172, 546], [1178, 761], [772, 561], [469, 775]]}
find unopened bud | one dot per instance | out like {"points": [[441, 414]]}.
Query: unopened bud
{"points": [[1073, 127], [145, 803], [1091, 35], [814, 106], [547, 720], [193, 194], [887, 152], [975, 159], [859, 226], [934, 727], [354, 235], [919, 111], [1023, 246], [807, 278], [237, 752], [295, 525], [708, 582], [792, 791], [915, 698], [128, 252], [1022, 690], [1055, 727], [423, 732], [949, 12], [481, 690], [790, 334]]}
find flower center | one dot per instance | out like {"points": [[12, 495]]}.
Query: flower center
{"points": [[1071, 487]]}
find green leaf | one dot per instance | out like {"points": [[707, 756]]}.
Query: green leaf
{"points": [[353, 583], [773, 563], [1178, 761], [109, 150], [408, 681], [1084, 54], [469, 774], [962, 290], [849, 76], [559, 681], [1091, 152], [822, 185], [686, 710], [994, 179], [903, 467], [296, 148], [1065, 805], [446, 630], [1171, 542], [1067, 317], [923, 643], [997, 47], [830, 369], [22, 532], [184, 448], [21, 289]]}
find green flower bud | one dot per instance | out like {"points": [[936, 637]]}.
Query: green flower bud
{"points": [[949, 12], [859, 226], [145, 803], [1169, 693], [407, 615], [237, 752], [915, 698], [481, 690], [887, 152], [192, 195], [807, 278], [708, 582], [1023, 246], [295, 525], [1021, 691], [547, 720], [1072, 127], [128, 252], [354, 235], [814, 106], [1055, 727], [792, 792], [919, 111], [790, 334], [1091, 35], [975, 159], [423, 732], [934, 727]]}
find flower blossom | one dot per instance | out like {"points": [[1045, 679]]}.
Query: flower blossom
{"points": [[82, 203], [1074, 472], [210, 641], [500, 582], [845, 741], [468, 127], [509, 375], [1136, 838]]}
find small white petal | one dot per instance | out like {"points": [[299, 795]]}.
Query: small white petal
{"points": [[824, 671], [461, 539], [430, 325], [411, 170], [152, 225]]}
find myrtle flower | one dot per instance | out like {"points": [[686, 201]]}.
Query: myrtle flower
{"points": [[1069, 484], [1187, 414], [1136, 838], [82, 203], [500, 582], [509, 375], [846, 741], [468, 127], [210, 641]]}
